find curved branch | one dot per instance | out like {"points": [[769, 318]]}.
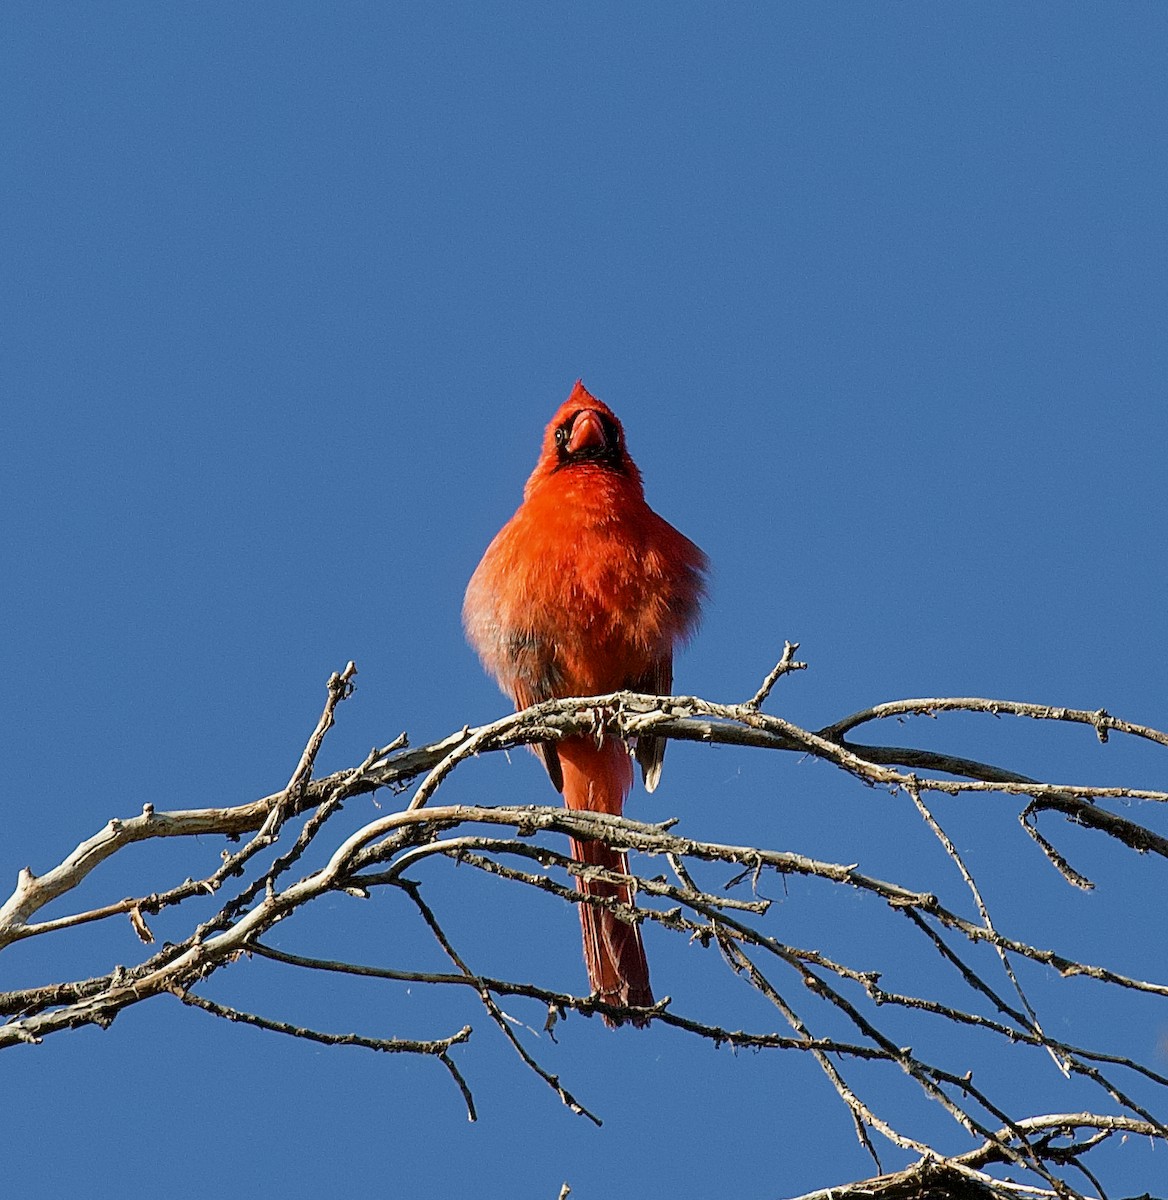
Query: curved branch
{"points": [[1100, 720]]}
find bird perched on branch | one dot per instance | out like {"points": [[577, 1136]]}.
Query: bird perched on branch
{"points": [[586, 590]]}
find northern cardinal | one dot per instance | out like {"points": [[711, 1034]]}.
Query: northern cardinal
{"points": [[587, 590]]}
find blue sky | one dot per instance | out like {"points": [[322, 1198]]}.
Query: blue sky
{"points": [[290, 292]]}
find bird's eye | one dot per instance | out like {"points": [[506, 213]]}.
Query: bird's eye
{"points": [[561, 436]]}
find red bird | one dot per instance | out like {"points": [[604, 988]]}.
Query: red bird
{"points": [[586, 590]]}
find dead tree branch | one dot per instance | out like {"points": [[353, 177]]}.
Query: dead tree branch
{"points": [[827, 1007]]}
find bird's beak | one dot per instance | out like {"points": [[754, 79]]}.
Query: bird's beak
{"points": [[587, 433]]}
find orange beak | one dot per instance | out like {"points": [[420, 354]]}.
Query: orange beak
{"points": [[587, 432]]}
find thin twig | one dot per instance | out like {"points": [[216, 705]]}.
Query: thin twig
{"points": [[784, 666], [496, 1014]]}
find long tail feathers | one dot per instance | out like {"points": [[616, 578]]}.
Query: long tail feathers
{"points": [[597, 779]]}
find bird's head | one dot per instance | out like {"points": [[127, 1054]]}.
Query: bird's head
{"points": [[585, 431]]}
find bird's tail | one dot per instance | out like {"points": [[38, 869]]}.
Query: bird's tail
{"points": [[597, 779]]}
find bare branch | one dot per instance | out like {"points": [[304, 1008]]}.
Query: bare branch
{"points": [[522, 847], [1100, 720]]}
